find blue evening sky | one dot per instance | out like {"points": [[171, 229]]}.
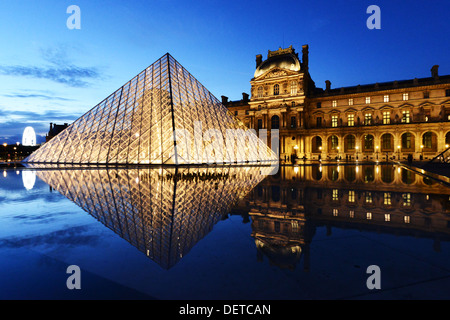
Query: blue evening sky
{"points": [[49, 73]]}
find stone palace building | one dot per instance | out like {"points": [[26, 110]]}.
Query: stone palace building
{"points": [[396, 120]]}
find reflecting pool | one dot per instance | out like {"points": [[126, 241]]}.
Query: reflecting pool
{"points": [[306, 232]]}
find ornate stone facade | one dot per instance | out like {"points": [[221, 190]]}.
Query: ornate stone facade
{"points": [[395, 120]]}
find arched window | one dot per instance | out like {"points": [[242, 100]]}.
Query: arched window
{"points": [[260, 92], [386, 142], [427, 140], [368, 142], [406, 140], [349, 142], [275, 122], [276, 90]]}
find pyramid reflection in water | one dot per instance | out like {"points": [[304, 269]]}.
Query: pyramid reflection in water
{"points": [[161, 116], [163, 212]]}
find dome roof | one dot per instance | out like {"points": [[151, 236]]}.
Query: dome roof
{"points": [[281, 59]]}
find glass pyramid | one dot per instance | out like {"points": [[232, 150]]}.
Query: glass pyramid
{"points": [[161, 116], [162, 211]]}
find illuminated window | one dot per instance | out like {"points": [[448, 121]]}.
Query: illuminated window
{"points": [[260, 92], [407, 219], [293, 88], [335, 212], [386, 98], [350, 102], [351, 214], [387, 198], [386, 117], [367, 100], [367, 119], [351, 196], [406, 118], [405, 96], [335, 195], [368, 197], [294, 225], [387, 217], [406, 199], [351, 120], [369, 215], [276, 90], [334, 121], [334, 103]]}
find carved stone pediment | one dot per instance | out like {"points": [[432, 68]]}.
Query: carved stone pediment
{"points": [[276, 73]]}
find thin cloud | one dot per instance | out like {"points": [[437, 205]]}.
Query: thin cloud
{"points": [[72, 76], [36, 96], [59, 69]]}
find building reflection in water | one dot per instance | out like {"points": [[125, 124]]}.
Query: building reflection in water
{"points": [[287, 208], [163, 212]]}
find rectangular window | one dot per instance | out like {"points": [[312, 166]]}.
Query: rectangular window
{"points": [[369, 215], [319, 122], [335, 212], [406, 118], [334, 121], [426, 94], [351, 196], [319, 105], [247, 112], [236, 113], [405, 96], [350, 102], [386, 117], [368, 197], [447, 93], [387, 198], [387, 217], [260, 124], [334, 103], [367, 100], [351, 120], [406, 219], [335, 196], [293, 88], [293, 122], [406, 199], [351, 214], [367, 119], [386, 98]]}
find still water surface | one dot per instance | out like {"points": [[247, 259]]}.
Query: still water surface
{"points": [[308, 232]]}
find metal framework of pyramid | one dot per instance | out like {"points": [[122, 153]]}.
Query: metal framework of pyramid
{"points": [[161, 116]]}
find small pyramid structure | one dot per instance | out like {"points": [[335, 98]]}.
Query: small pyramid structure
{"points": [[161, 116]]}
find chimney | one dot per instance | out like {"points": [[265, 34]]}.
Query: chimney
{"points": [[328, 85], [434, 72], [51, 126], [305, 51], [244, 97], [224, 100], [258, 60]]}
